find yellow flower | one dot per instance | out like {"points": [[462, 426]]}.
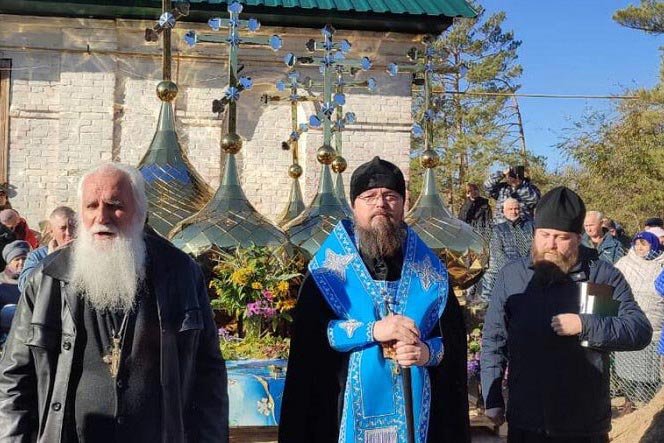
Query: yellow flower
{"points": [[283, 287], [286, 305], [256, 285], [240, 277]]}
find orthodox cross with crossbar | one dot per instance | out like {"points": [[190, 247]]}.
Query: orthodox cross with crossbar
{"points": [[424, 65], [233, 40]]}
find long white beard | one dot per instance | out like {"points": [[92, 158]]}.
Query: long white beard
{"points": [[108, 273]]}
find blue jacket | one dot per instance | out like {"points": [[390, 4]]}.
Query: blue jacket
{"points": [[31, 262], [527, 194], [504, 248], [609, 249], [556, 386]]}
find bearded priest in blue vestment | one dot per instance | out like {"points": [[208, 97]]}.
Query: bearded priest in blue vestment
{"points": [[376, 299]]}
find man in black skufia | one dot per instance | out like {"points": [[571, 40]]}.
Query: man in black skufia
{"points": [[326, 347], [113, 339], [559, 357]]}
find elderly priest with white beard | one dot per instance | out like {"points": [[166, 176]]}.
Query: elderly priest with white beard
{"points": [[114, 339]]}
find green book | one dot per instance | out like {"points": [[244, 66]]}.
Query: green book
{"points": [[597, 299]]}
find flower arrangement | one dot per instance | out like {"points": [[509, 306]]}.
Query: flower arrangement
{"points": [[266, 347], [256, 289], [474, 350]]}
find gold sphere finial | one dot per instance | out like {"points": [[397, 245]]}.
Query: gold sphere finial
{"points": [[167, 91], [231, 143], [326, 154], [429, 159], [339, 164], [295, 171]]}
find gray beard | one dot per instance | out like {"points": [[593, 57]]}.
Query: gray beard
{"points": [[384, 238], [108, 274]]}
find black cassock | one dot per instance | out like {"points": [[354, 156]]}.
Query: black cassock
{"points": [[316, 376]]}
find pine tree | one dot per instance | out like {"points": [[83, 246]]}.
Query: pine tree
{"points": [[477, 129], [621, 159], [648, 16]]}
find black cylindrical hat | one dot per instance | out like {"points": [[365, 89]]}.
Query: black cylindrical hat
{"points": [[561, 209], [377, 174]]}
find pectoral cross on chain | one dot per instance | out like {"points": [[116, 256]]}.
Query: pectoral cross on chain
{"points": [[113, 359]]}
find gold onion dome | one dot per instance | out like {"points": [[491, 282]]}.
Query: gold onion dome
{"points": [[174, 189], [461, 248], [228, 221], [310, 229]]}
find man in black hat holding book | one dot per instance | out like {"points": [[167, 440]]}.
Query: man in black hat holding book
{"points": [[558, 358]]}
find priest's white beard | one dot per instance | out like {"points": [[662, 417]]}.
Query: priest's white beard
{"points": [[108, 273]]}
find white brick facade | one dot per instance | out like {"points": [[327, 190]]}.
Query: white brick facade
{"points": [[83, 92]]}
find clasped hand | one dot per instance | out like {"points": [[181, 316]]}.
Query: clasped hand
{"points": [[566, 324], [400, 333]]}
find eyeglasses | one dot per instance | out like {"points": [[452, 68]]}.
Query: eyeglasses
{"points": [[372, 200]]}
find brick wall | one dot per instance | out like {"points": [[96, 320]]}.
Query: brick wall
{"points": [[70, 110]]}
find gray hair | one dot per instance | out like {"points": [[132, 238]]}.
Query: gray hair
{"points": [[64, 212], [135, 179], [596, 214], [511, 200]]}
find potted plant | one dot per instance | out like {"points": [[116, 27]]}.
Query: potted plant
{"points": [[255, 289]]}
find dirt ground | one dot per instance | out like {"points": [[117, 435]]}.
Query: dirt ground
{"points": [[645, 425]]}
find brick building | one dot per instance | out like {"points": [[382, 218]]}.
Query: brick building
{"points": [[78, 80]]}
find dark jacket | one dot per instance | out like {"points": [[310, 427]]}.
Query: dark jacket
{"points": [[504, 248], [556, 386], [527, 194], [37, 363], [477, 213], [609, 249]]}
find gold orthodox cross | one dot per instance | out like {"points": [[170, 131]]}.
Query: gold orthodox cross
{"points": [[113, 359]]}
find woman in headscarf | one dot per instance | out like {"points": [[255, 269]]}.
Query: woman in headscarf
{"points": [[640, 370]]}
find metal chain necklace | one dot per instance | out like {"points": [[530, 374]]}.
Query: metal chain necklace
{"points": [[112, 359]]}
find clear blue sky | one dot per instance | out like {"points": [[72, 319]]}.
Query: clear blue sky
{"points": [[573, 47]]}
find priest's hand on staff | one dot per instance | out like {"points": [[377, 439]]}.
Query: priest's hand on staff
{"points": [[396, 327], [411, 355]]}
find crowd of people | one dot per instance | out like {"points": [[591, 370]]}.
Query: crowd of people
{"points": [[20, 249], [113, 336], [638, 258]]}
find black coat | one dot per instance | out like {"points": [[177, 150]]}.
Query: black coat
{"points": [[316, 377], [556, 386], [476, 213], [37, 363]]}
